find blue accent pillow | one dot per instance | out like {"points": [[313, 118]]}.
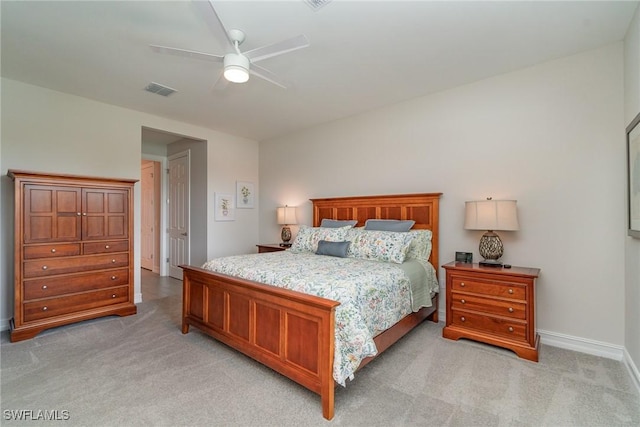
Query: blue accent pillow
{"points": [[389, 225], [335, 223], [338, 249]]}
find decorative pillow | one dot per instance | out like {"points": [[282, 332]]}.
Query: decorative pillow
{"points": [[420, 247], [338, 249], [388, 225], [336, 223], [387, 246], [308, 237]]}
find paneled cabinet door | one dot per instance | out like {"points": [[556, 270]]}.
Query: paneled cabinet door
{"points": [[58, 213], [51, 213], [105, 214]]}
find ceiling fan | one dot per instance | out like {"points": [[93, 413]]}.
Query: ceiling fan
{"points": [[237, 65]]}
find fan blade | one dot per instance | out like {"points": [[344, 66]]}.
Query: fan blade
{"points": [[265, 74], [220, 83], [187, 53], [276, 49], [215, 25]]}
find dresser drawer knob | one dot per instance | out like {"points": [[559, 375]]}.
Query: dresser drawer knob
{"points": [[462, 301], [462, 284], [106, 246], [53, 251], [44, 286], [113, 277], [44, 267], [78, 213], [463, 319], [510, 291], [510, 328], [510, 309], [113, 296], [113, 261], [45, 308]]}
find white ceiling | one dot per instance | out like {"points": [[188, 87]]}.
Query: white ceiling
{"points": [[363, 54]]}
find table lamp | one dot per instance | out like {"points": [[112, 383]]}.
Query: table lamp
{"points": [[286, 217], [491, 215]]}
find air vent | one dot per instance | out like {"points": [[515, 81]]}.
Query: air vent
{"points": [[316, 4], [159, 89]]}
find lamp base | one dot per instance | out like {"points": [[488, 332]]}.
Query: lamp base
{"points": [[490, 263]]}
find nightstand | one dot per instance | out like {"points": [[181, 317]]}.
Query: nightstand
{"points": [[270, 247], [494, 305]]}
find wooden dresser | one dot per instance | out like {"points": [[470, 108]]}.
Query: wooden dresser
{"points": [[73, 250], [271, 247], [493, 305]]}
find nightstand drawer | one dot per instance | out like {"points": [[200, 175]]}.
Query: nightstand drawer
{"points": [[489, 287], [500, 307], [512, 329]]}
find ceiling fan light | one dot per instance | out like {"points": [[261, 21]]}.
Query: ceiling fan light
{"points": [[236, 74], [236, 68]]}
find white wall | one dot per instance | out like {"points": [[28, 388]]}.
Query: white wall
{"points": [[48, 131], [549, 136], [632, 246]]}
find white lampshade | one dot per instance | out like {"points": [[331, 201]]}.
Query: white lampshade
{"points": [[236, 68], [491, 215], [287, 215]]}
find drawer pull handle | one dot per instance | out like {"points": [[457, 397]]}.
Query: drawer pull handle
{"points": [[45, 308], [106, 246], [510, 291], [113, 277], [78, 213], [510, 309], [113, 261], [44, 286], [462, 284], [44, 267], [113, 296], [510, 328], [463, 319], [462, 301], [53, 251]]}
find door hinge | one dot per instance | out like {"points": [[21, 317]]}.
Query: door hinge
{"points": [[167, 259]]}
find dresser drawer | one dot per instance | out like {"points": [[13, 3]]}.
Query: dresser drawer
{"points": [[53, 266], [51, 307], [489, 287], [61, 285], [506, 308], [514, 330], [52, 250], [105, 247]]}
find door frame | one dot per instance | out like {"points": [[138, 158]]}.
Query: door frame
{"points": [[162, 233]]}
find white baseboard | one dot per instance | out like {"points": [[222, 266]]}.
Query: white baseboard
{"points": [[633, 369], [137, 298], [583, 345]]}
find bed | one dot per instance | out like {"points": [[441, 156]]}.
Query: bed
{"points": [[292, 332]]}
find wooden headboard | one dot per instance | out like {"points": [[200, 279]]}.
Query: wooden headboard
{"points": [[422, 208]]}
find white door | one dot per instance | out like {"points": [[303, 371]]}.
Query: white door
{"points": [[178, 213], [147, 232]]}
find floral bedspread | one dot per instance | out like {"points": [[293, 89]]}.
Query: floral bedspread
{"points": [[373, 295]]}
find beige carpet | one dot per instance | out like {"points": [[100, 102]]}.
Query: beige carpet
{"points": [[140, 370]]}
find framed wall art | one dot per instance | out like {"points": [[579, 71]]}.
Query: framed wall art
{"points": [[245, 195], [633, 176], [224, 208]]}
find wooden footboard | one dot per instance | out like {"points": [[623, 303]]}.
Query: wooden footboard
{"points": [[288, 331]]}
